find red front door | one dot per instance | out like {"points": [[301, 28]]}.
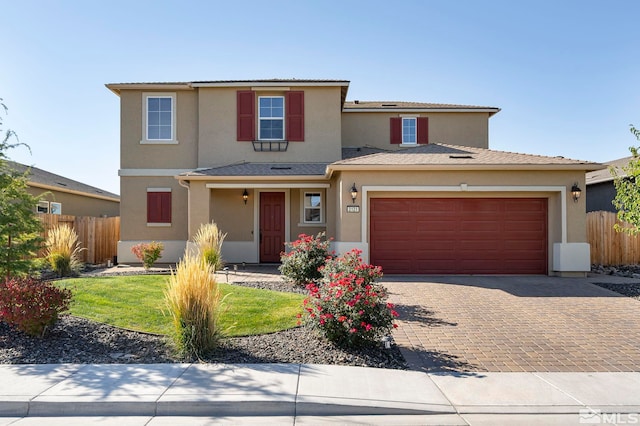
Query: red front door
{"points": [[271, 226]]}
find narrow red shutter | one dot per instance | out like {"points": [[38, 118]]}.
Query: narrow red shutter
{"points": [[294, 104], [396, 130], [165, 207], [246, 115], [153, 207], [423, 130]]}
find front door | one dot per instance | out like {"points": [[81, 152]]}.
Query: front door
{"points": [[271, 226]]}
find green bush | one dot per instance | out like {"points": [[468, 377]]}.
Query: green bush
{"points": [[349, 307], [306, 255]]}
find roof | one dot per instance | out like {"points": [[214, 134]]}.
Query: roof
{"points": [[443, 156], [396, 106], [359, 151], [261, 169], [604, 175], [42, 179], [191, 85]]}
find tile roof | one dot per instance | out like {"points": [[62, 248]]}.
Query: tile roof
{"points": [[359, 151], [263, 169], [61, 183], [604, 175], [386, 105], [459, 156]]}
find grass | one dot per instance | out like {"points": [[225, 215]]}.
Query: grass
{"points": [[137, 302]]}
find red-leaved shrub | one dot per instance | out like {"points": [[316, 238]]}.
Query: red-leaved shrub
{"points": [[30, 305], [348, 306]]}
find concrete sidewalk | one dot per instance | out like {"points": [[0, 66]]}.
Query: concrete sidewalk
{"points": [[306, 394]]}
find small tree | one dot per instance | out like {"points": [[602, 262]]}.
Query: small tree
{"points": [[627, 184], [20, 227]]}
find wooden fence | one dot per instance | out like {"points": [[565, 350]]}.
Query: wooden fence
{"points": [[609, 247], [98, 235]]}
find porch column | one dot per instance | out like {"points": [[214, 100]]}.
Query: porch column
{"points": [[199, 206]]}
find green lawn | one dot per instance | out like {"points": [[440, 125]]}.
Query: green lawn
{"points": [[137, 303]]}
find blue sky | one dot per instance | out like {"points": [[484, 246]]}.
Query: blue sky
{"points": [[565, 73]]}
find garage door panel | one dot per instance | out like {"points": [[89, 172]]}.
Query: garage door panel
{"points": [[428, 235]]}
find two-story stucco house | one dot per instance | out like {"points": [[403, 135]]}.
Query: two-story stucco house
{"points": [[412, 185]]}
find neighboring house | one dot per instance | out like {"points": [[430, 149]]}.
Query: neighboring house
{"points": [[412, 185], [66, 196], [600, 188]]}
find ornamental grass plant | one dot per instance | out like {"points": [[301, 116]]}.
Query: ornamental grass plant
{"points": [[194, 301], [63, 250], [209, 241]]}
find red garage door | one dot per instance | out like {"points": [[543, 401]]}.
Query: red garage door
{"points": [[459, 235]]}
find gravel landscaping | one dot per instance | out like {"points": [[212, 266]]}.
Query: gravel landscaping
{"points": [[626, 289], [78, 340]]}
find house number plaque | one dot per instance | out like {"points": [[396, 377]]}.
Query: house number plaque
{"points": [[353, 209]]}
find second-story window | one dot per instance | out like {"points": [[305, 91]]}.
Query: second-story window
{"points": [[159, 115], [409, 130], [271, 117]]}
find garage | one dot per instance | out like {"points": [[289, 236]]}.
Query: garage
{"points": [[459, 235]]}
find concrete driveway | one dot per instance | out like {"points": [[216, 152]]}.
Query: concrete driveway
{"points": [[507, 323]]}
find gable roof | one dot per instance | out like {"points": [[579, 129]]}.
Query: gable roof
{"points": [[604, 175], [443, 156], [39, 178], [399, 106]]}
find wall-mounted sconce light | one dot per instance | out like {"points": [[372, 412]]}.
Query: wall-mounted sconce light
{"points": [[576, 192], [354, 192], [245, 196]]}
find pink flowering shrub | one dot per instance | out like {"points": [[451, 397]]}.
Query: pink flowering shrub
{"points": [[348, 307], [306, 255], [148, 253], [30, 305]]}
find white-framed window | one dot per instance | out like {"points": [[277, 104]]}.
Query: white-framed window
{"points": [[409, 130], [159, 118], [55, 208], [312, 207], [42, 207], [271, 118]]}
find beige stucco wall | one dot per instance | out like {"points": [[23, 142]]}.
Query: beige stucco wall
{"points": [[78, 205], [133, 211], [136, 155], [234, 217], [217, 131], [349, 224], [460, 128]]}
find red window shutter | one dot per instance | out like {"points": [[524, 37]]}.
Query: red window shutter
{"points": [[294, 104], [159, 207], [423, 130], [246, 115], [396, 130]]}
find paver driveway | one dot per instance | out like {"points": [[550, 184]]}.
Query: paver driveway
{"points": [[502, 323]]}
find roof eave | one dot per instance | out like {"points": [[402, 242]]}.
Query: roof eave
{"points": [[247, 178], [118, 87], [490, 111], [71, 191], [483, 167]]}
